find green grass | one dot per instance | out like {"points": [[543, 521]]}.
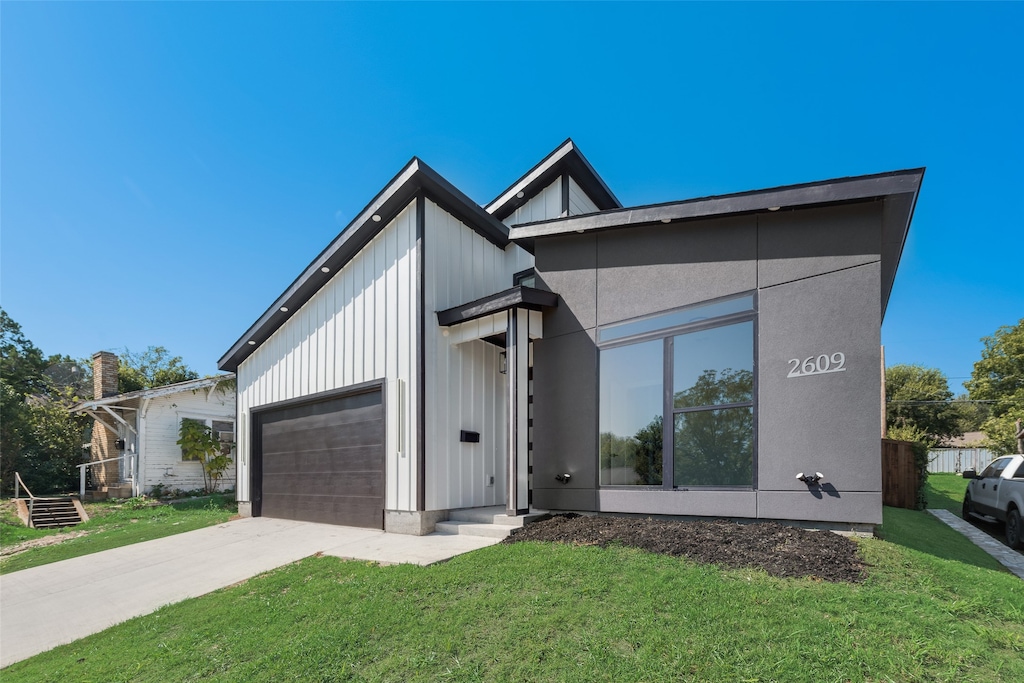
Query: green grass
{"points": [[945, 491], [931, 610], [112, 525]]}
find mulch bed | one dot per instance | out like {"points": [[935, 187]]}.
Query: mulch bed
{"points": [[778, 549]]}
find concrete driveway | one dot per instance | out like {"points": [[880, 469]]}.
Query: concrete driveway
{"points": [[57, 603]]}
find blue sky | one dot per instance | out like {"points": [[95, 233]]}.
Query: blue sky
{"points": [[166, 170]]}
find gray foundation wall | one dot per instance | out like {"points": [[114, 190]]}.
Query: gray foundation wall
{"points": [[818, 282]]}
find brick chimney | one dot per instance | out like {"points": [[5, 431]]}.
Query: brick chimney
{"points": [[104, 384], [104, 374]]}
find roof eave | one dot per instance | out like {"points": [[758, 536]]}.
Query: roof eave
{"points": [[155, 392], [415, 178], [898, 189], [566, 158], [789, 197]]}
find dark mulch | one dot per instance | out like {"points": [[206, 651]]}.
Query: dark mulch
{"points": [[777, 549]]}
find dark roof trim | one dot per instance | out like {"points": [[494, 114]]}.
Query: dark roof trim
{"points": [[516, 297], [898, 190], [565, 158], [415, 178], [788, 197]]}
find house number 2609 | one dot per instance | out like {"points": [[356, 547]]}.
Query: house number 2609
{"points": [[817, 366]]}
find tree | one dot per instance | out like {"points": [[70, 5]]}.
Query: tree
{"points": [[21, 363], [39, 437], [999, 377], [918, 400], [154, 367], [198, 442]]}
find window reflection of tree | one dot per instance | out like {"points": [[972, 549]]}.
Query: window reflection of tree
{"points": [[713, 447]]}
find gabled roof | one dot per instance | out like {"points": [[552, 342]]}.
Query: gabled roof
{"points": [[566, 158], [898, 189], [412, 180], [156, 392]]}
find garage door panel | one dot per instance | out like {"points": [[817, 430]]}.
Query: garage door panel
{"points": [[314, 438], [339, 484], [360, 512], [319, 420], [334, 409], [324, 462], [318, 462]]}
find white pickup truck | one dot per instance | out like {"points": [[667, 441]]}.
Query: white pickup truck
{"points": [[998, 492]]}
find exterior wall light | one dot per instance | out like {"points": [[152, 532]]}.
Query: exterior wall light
{"points": [[810, 479], [502, 363], [563, 478]]}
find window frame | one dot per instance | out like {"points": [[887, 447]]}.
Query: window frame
{"points": [[208, 420], [522, 275], [669, 411]]}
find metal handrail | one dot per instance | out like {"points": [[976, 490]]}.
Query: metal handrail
{"points": [[85, 465], [18, 480], [31, 498]]}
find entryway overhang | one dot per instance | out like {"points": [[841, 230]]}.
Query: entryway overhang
{"points": [[515, 315]]}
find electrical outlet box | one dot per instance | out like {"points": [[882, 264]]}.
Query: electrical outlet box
{"points": [[488, 480]]}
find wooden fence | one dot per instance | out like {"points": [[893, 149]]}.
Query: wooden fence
{"points": [[900, 478]]}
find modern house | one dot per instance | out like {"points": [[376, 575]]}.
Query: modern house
{"points": [[555, 349], [134, 436]]}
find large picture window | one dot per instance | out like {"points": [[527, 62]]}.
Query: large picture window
{"points": [[684, 379]]}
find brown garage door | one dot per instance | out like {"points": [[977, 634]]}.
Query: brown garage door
{"points": [[322, 462]]}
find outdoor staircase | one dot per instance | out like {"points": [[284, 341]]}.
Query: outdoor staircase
{"points": [[51, 513], [488, 522]]}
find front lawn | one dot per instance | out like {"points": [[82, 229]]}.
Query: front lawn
{"points": [[945, 491], [111, 524], [933, 608]]}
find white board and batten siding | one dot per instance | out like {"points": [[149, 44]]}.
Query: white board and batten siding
{"points": [[546, 205], [159, 453], [464, 389], [579, 202], [359, 327]]}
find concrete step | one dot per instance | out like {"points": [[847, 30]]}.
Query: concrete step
{"points": [[484, 530], [493, 515]]}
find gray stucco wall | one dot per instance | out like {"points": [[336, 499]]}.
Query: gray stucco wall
{"points": [[817, 276]]}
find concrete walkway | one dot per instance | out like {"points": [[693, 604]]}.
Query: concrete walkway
{"points": [[1011, 559], [57, 603]]}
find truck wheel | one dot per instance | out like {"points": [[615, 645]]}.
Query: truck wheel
{"points": [[967, 509], [1013, 529]]}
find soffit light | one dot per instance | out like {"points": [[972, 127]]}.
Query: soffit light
{"points": [[520, 195], [375, 217], [252, 343], [325, 269], [666, 220], [284, 309], [774, 208]]}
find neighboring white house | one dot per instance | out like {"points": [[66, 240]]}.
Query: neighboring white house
{"points": [[140, 428]]}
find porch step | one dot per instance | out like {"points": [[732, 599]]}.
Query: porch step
{"points": [[50, 513], [474, 529], [488, 522], [494, 515]]}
